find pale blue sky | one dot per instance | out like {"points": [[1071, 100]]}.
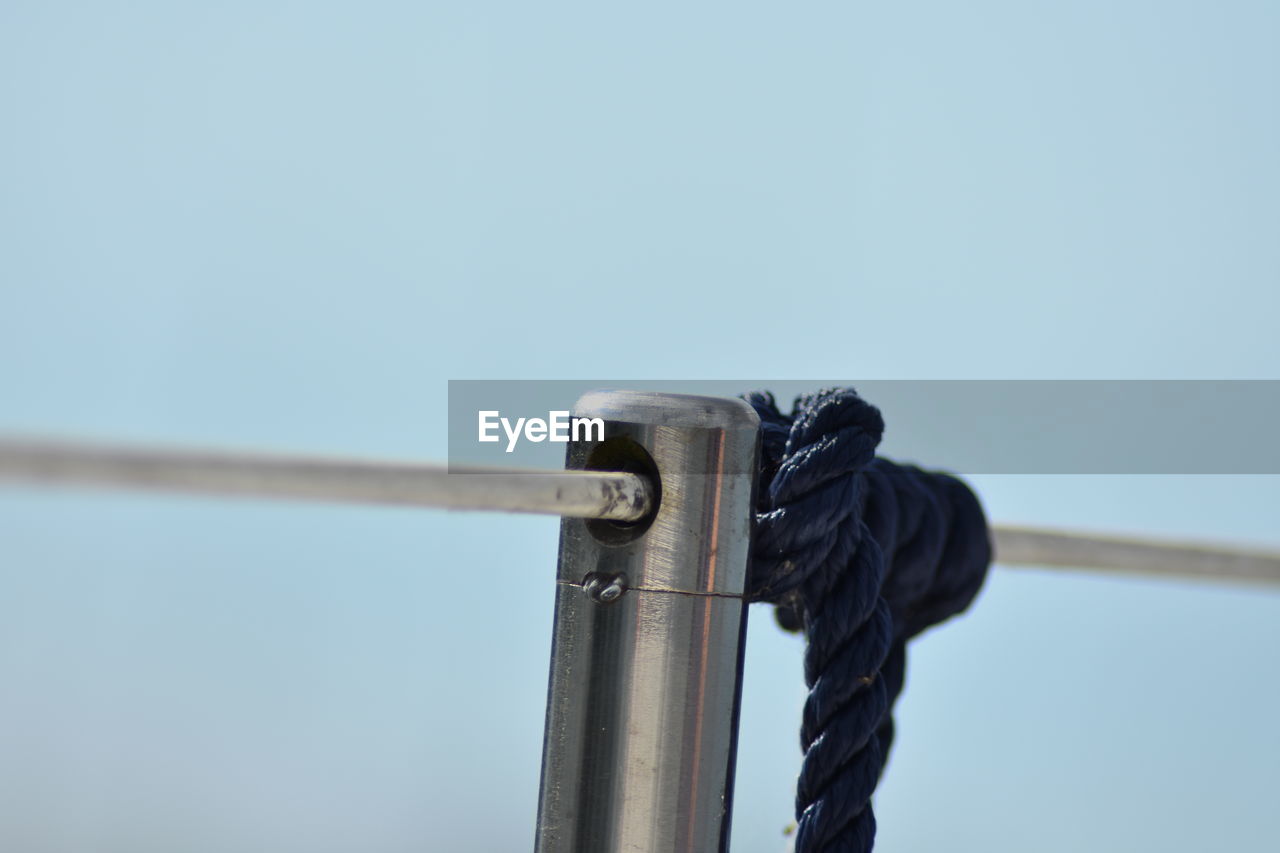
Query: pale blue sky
{"points": [[288, 224]]}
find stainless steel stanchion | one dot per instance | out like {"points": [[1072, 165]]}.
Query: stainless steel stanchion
{"points": [[646, 659]]}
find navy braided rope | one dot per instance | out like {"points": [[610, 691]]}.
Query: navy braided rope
{"points": [[863, 554]]}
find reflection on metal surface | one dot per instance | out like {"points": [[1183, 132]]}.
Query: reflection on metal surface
{"points": [[643, 701]]}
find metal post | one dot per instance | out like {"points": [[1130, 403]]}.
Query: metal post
{"points": [[646, 659]]}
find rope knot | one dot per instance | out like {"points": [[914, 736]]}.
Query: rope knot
{"points": [[863, 554], [809, 486]]}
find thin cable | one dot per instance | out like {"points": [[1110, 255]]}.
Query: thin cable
{"points": [[609, 495], [587, 494], [1029, 546]]}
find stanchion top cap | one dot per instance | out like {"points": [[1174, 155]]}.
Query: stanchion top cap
{"points": [[662, 409]]}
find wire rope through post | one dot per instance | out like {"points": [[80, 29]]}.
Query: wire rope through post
{"points": [[616, 495], [650, 619]]}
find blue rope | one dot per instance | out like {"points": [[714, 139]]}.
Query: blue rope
{"points": [[863, 554]]}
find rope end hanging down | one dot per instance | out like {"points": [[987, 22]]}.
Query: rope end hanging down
{"points": [[862, 554]]}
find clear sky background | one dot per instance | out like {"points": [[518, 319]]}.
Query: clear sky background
{"points": [[286, 225]]}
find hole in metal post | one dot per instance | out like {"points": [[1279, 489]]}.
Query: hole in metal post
{"points": [[622, 454]]}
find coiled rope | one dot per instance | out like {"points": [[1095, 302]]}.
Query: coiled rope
{"points": [[863, 554]]}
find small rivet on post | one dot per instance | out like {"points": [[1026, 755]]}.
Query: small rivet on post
{"points": [[604, 587]]}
